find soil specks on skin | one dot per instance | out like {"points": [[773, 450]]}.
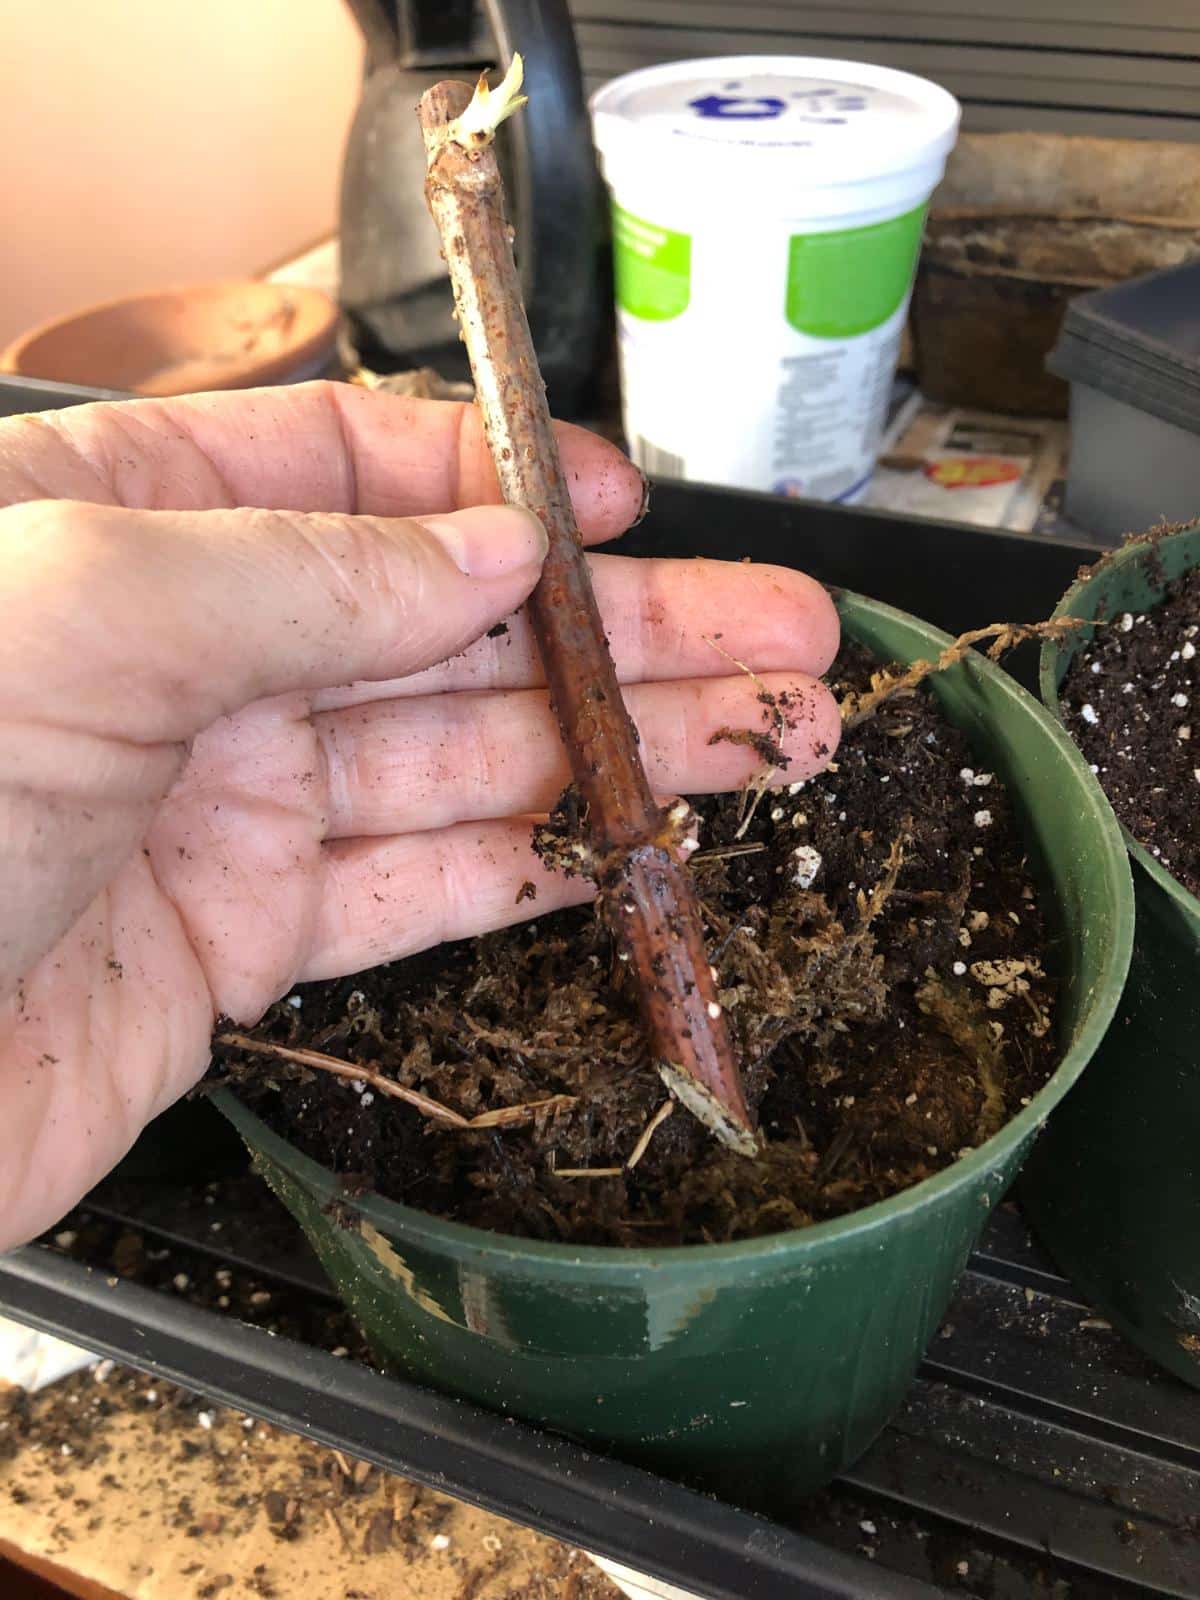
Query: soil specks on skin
{"points": [[872, 1056], [766, 748], [1127, 702]]}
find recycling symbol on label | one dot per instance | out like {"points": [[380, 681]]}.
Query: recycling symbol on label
{"points": [[738, 106], [824, 105]]}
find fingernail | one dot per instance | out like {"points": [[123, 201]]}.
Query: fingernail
{"points": [[490, 541], [644, 508]]}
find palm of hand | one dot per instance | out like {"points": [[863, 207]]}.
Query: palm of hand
{"points": [[172, 876]]}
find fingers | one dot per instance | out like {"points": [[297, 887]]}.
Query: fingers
{"points": [[407, 765], [146, 626], [387, 898], [665, 619], [309, 447]]}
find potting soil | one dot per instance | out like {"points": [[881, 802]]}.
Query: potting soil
{"points": [[880, 952], [1130, 701]]}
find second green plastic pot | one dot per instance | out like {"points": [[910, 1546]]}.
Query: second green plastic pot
{"points": [[757, 1369], [1114, 1188]]}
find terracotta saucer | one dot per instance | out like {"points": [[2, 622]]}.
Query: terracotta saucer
{"points": [[178, 341]]}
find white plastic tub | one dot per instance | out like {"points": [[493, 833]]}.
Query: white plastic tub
{"points": [[767, 219]]}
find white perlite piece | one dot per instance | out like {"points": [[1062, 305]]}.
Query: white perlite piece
{"points": [[1088, 713], [1126, 621], [1188, 650], [808, 864], [1179, 699], [983, 819]]}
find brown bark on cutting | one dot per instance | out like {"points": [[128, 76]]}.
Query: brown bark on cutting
{"points": [[633, 845]]}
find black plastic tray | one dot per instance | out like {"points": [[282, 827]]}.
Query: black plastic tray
{"points": [[1037, 1454]]}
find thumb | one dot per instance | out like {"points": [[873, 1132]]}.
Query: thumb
{"points": [[147, 625]]}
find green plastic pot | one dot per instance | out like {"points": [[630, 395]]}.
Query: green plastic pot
{"points": [[758, 1369], [1114, 1188]]}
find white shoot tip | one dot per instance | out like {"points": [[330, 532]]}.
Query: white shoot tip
{"points": [[489, 108]]}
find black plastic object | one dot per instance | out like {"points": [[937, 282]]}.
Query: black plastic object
{"points": [[1132, 357], [394, 289]]}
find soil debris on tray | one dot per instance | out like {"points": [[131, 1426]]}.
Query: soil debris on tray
{"points": [[881, 958], [1130, 703], [128, 1484]]}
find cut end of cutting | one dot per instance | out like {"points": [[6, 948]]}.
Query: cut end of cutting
{"points": [[477, 125], [706, 1108]]}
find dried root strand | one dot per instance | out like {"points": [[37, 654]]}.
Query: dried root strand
{"points": [[870, 906], [648, 1132], [885, 686], [639, 1150], [766, 744], [501, 1117]]}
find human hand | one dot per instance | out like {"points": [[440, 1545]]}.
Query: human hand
{"points": [[254, 728]]}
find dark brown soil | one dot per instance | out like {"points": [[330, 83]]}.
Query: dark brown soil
{"points": [[879, 949], [1130, 701]]}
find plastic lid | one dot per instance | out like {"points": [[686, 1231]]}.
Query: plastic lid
{"points": [[1138, 342], [1154, 318], [817, 122], [1161, 393]]}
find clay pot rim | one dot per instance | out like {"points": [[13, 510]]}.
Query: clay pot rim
{"points": [[264, 371]]}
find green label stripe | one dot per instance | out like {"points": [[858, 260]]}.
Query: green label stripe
{"points": [[653, 267], [846, 283]]}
